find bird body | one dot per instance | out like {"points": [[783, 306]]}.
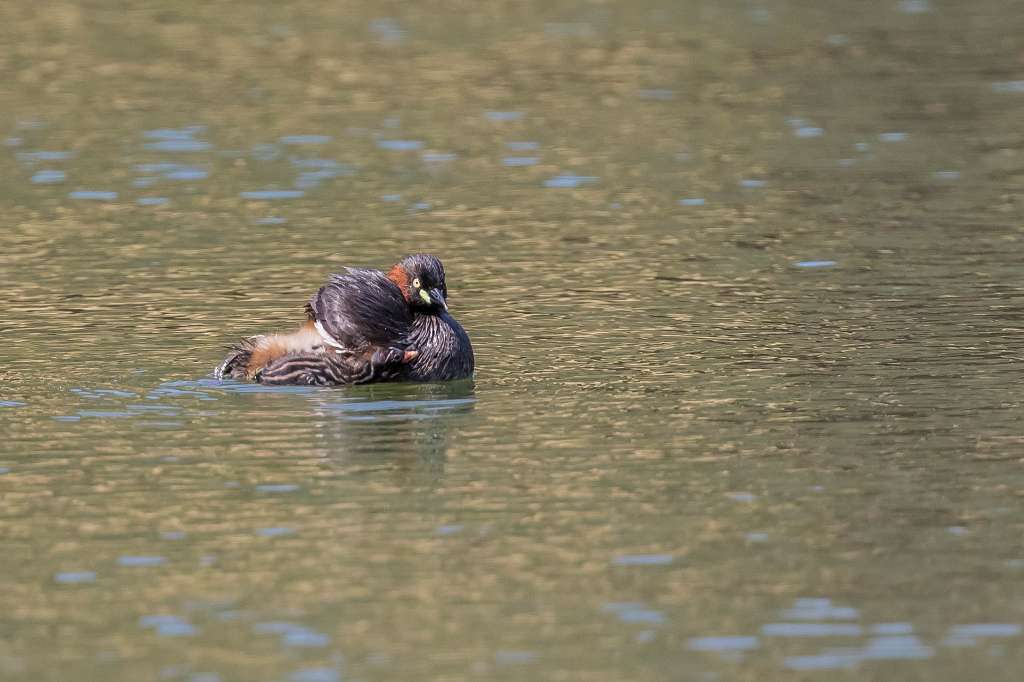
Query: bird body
{"points": [[364, 326], [441, 344]]}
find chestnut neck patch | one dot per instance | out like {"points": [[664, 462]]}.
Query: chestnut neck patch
{"points": [[399, 276]]}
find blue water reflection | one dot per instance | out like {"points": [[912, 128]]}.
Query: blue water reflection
{"points": [[397, 409], [816, 619], [915, 6], [1008, 86], [400, 145], [275, 531], [173, 404], [93, 195], [34, 157], [48, 177], [724, 643], [811, 630], [185, 145], [387, 30], [272, 194], [99, 393], [75, 577], [143, 561], [809, 131], [634, 612], [520, 160], [819, 609], [277, 488], [438, 157], [896, 647], [828, 660], [570, 180], [305, 139], [892, 629], [168, 625], [643, 560], [185, 133], [893, 137], [970, 635], [321, 164], [293, 634], [504, 115]]}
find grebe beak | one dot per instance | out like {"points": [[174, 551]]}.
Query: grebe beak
{"points": [[437, 297]]}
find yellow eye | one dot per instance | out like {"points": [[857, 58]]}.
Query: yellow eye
{"points": [[416, 282]]}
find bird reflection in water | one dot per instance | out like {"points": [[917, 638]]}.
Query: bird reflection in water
{"points": [[406, 427]]}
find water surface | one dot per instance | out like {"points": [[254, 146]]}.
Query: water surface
{"points": [[745, 286]]}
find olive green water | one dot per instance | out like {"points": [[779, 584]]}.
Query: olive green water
{"points": [[745, 285]]}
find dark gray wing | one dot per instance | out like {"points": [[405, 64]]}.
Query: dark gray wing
{"points": [[361, 308]]}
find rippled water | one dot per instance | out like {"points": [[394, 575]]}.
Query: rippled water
{"points": [[744, 281]]}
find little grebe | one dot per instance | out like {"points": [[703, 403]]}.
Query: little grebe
{"points": [[364, 326]]}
